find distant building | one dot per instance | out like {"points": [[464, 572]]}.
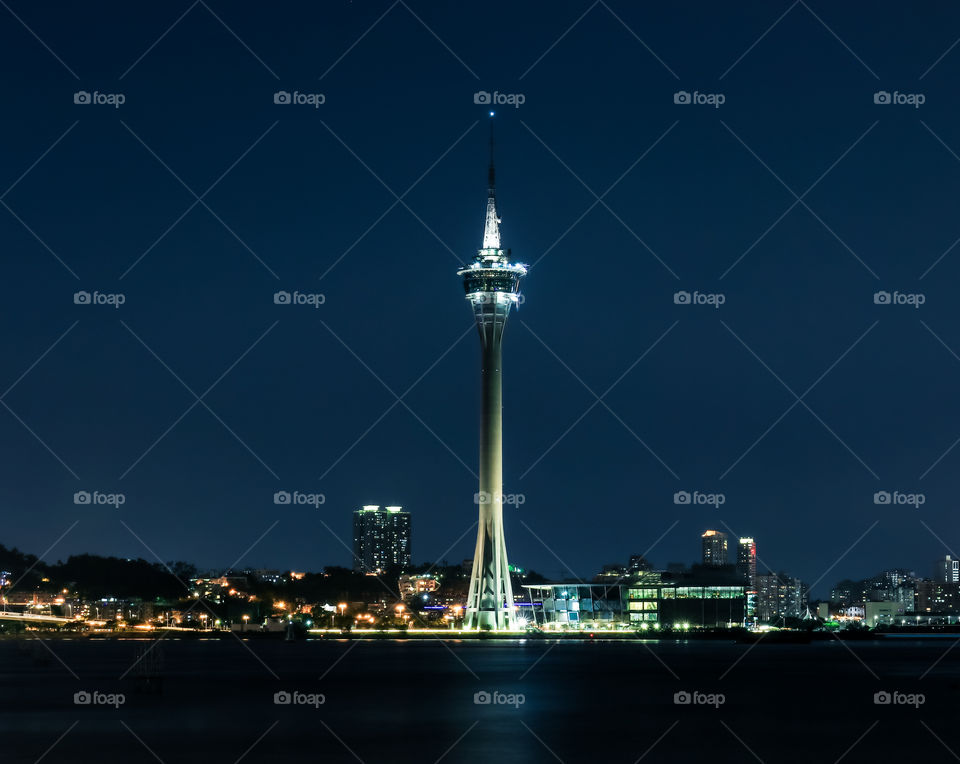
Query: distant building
{"points": [[768, 597], [747, 572], [381, 538], [411, 586], [947, 570], [897, 577], [714, 548], [268, 576], [747, 562], [877, 613], [794, 597], [780, 596], [937, 597]]}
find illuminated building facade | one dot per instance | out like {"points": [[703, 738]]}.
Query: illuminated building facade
{"points": [[947, 570], [937, 597], [747, 572], [648, 603], [747, 561], [381, 538], [714, 548], [492, 285], [780, 596]]}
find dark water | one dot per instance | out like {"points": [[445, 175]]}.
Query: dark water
{"points": [[414, 702]]}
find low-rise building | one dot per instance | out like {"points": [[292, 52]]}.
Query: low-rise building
{"points": [[650, 602]]}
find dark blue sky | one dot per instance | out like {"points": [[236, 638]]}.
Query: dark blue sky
{"points": [[599, 83]]}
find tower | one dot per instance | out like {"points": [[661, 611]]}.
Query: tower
{"points": [[492, 286]]}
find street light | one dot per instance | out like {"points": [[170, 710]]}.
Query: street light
{"points": [[246, 619]]}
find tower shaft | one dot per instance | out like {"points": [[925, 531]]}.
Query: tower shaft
{"points": [[490, 600]]}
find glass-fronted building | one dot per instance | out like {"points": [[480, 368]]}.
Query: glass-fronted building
{"points": [[652, 602]]}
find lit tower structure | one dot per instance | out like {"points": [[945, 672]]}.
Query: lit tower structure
{"points": [[492, 284]]}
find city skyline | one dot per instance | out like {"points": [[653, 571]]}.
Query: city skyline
{"points": [[271, 510], [304, 397]]}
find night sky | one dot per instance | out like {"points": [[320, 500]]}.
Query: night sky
{"points": [[797, 200]]}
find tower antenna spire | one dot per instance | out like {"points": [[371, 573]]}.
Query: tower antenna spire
{"points": [[491, 226], [491, 178]]}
